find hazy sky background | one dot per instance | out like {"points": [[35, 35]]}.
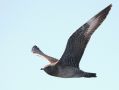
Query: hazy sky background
{"points": [[48, 24]]}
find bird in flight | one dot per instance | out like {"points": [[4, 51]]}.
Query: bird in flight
{"points": [[68, 65]]}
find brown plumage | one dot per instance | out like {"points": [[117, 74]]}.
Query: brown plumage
{"points": [[68, 65]]}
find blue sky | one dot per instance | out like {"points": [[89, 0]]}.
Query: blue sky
{"points": [[48, 24]]}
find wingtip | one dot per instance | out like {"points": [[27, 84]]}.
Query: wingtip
{"points": [[36, 50], [105, 11], [109, 6]]}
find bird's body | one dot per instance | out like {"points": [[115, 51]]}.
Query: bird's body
{"points": [[66, 71], [69, 72], [68, 65]]}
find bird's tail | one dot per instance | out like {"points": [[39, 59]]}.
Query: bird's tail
{"points": [[87, 74]]}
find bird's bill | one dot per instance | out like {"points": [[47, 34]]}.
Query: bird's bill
{"points": [[42, 69]]}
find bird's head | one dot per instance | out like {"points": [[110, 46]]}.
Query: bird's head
{"points": [[50, 69]]}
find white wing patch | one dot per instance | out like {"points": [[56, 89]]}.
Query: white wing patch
{"points": [[93, 24]]}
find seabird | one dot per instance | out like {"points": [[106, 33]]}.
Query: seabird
{"points": [[68, 65]]}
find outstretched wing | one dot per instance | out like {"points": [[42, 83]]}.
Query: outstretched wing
{"points": [[77, 42], [38, 52]]}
